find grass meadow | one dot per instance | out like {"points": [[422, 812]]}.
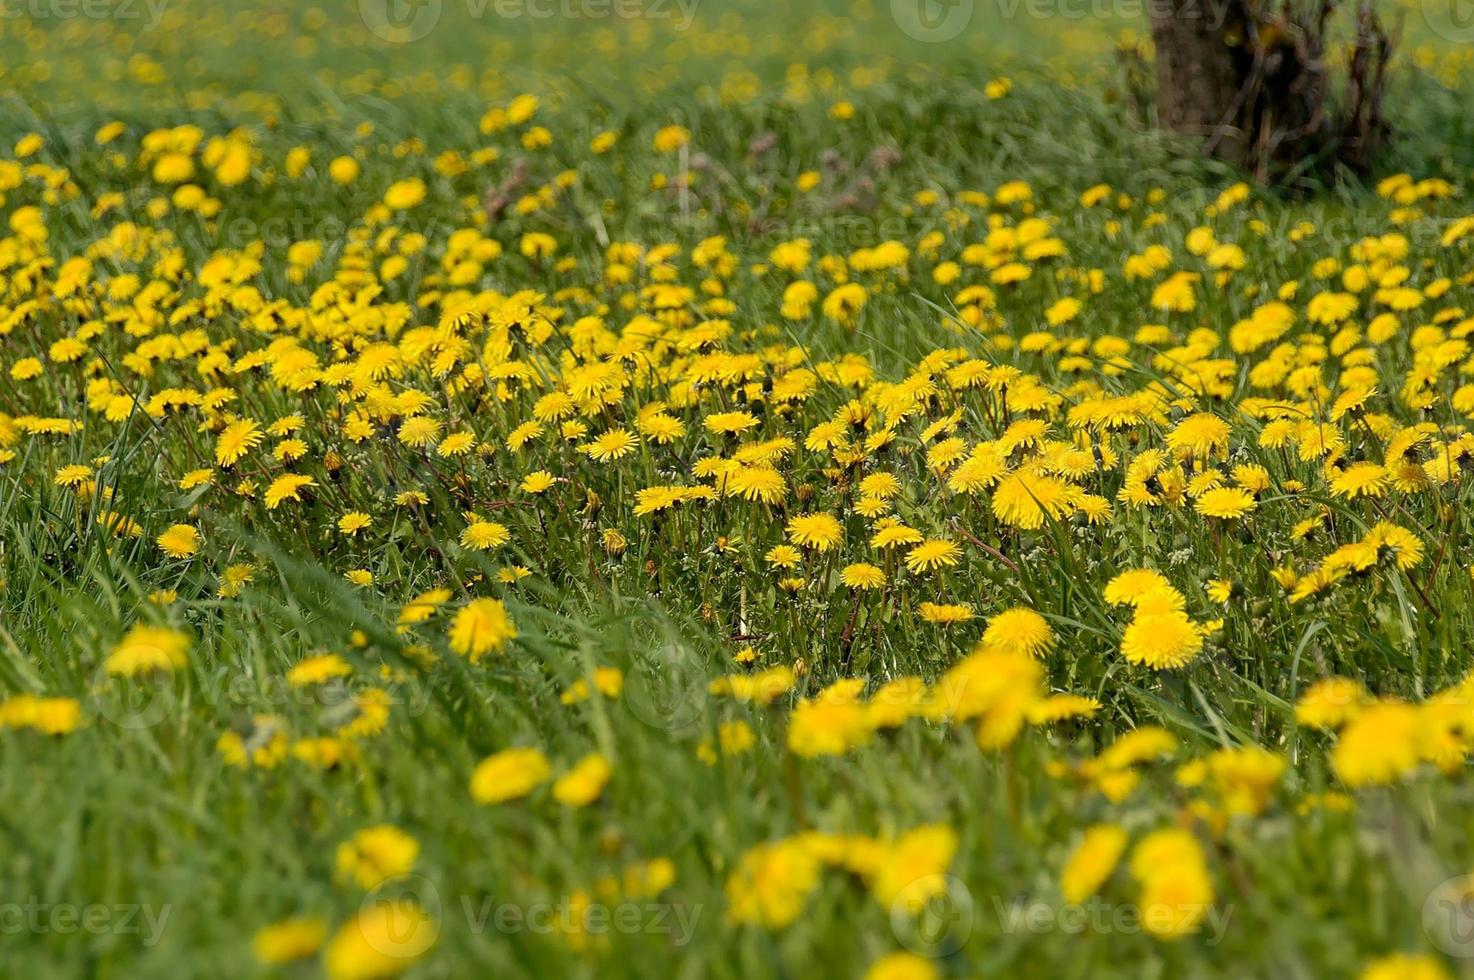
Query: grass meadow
{"points": [[719, 489]]}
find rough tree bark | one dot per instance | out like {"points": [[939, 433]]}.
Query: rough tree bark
{"points": [[1252, 83], [1198, 76]]}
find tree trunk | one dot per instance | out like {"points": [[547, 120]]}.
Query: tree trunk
{"points": [[1199, 76], [1251, 82]]}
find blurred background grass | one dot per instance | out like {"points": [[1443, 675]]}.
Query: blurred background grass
{"points": [[281, 61], [428, 68]]}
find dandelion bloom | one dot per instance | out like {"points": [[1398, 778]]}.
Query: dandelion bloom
{"points": [[1379, 745], [148, 650], [1061, 707], [764, 687], [844, 303], [1360, 480], [404, 194], [1201, 435], [353, 522], [881, 485], [1220, 589], [822, 532], [288, 486], [932, 554], [237, 439], [49, 716], [1019, 630], [895, 536], [482, 626], [383, 940], [944, 614], [903, 966], [1331, 702], [343, 170], [75, 475], [1405, 966], [827, 726], [1175, 899], [1226, 503], [1244, 777], [485, 535], [582, 784], [668, 139], [783, 556], [1129, 586], [729, 423], [1092, 861], [1176, 891], [375, 855], [1027, 500], [912, 870], [289, 940], [318, 670], [1161, 640], [456, 444], [180, 541], [508, 775], [862, 575], [419, 431], [758, 483], [771, 883], [611, 445]]}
